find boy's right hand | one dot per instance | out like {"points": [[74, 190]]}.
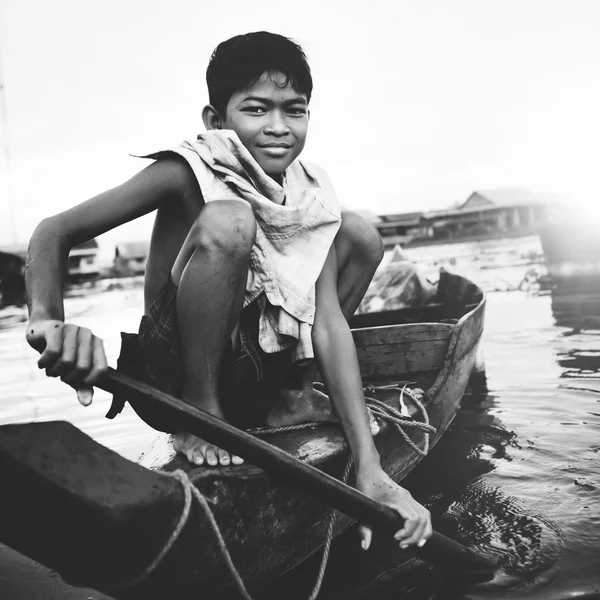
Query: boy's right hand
{"points": [[70, 352]]}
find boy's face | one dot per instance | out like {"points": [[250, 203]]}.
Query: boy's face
{"points": [[271, 121]]}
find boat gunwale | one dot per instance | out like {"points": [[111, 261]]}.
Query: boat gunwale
{"points": [[458, 329]]}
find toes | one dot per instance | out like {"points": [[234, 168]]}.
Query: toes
{"points": [[211, 456], [195, 454], [224, 458], [199, 452]]}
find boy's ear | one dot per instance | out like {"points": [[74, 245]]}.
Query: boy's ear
{"points": [[211, 118]]}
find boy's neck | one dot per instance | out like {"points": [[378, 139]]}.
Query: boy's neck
{"points": [[278, 178]]}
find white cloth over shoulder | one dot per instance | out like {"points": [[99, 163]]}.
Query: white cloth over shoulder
{"points": [[296, 226]]}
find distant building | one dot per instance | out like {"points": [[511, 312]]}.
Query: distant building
{"points": [[82, 264], [401, 228], [484, 214], [492, 212], [130, 258]]}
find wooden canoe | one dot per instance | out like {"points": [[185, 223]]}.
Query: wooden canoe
{"points": [[100, 520]]}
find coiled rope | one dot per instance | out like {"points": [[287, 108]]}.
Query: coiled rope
{"points": [[382, 411], [387, 413], [379, 409]]}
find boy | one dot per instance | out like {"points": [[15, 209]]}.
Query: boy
{"points": [[251, 275]]}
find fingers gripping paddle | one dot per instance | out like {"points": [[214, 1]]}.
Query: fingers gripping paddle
{"points": [[439, 549]]}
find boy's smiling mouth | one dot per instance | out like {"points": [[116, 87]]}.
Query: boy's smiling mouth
{"points": [[275, 145], [275, 150]]}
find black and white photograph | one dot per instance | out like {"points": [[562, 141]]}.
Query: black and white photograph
{"points": [[300, 301]]}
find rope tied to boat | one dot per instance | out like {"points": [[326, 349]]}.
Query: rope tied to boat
{"points": [[379, 409], [190, 491], [392, 415]]}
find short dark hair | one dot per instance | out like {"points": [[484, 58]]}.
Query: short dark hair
{"points": [[241, 60]]}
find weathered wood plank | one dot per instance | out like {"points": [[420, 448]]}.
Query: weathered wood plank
{"points": [[461, 354], [401, 349], [419, 314]]}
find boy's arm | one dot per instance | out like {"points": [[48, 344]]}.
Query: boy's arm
{"points": [[338, 363], [69, 351]]}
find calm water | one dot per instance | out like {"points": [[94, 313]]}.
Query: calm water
{"points": [[516, 476]]}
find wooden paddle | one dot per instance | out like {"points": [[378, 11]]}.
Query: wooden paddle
{"points": [[439, 549]]}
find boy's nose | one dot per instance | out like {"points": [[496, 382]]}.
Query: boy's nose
{"points": [[277, 124]]}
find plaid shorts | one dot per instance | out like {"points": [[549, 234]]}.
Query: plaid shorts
{"points": [[159, 341], [247, 381]]}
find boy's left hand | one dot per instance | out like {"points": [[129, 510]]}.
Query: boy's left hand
{"points": [[417, 526]]}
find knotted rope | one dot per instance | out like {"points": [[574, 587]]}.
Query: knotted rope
{"points": [[387, 413], [382, 411], [379, 409]]}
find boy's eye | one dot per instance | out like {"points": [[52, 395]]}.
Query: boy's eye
{"points": [[297, 111], [256, 110]]}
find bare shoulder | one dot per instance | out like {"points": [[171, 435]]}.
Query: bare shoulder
{"points": [[171, 174]]}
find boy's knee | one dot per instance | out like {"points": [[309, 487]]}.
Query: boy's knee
{"points": [[225, 224], [361, 237]]}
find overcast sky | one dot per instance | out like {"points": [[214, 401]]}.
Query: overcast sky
{"points": [[416, 103]]}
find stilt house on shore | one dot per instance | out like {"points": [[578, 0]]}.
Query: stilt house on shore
{"points": [[83, 262], [402, 228], [485, 214]]}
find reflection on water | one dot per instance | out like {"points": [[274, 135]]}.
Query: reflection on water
{"points": [[576, 302], [517, 475]]}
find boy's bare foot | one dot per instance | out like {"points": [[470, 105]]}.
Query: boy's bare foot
{"points": [[199, 452], [294, 407]]}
